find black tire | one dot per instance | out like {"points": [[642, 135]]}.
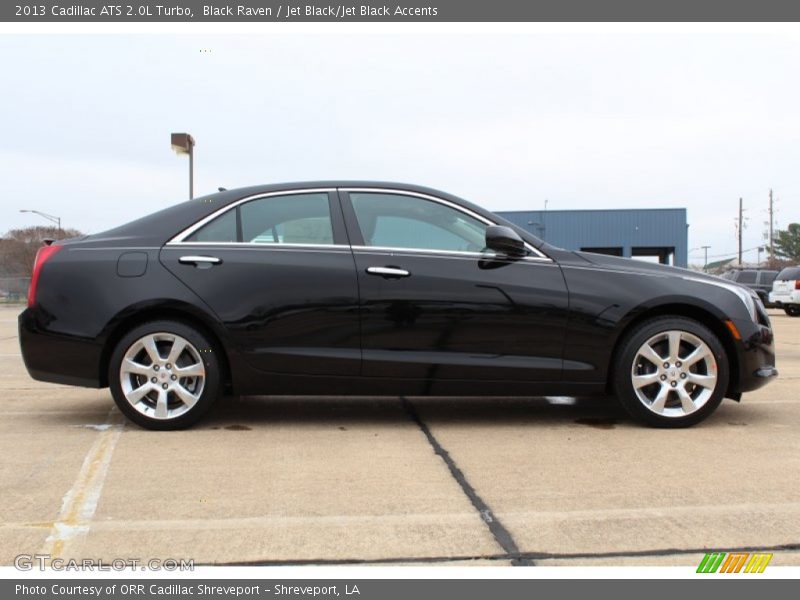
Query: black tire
{"points": [[623, 370], [792, 310], [200, 350]]}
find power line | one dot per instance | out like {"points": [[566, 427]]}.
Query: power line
{"points": [[732, 253]]}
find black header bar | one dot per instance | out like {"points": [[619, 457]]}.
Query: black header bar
{"points": [[254, 11]]}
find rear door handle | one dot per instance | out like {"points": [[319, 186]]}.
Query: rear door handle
{"points": [[388, 272], [200, 261]]}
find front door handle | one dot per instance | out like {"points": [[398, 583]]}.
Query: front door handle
{"points": [[200, 261], [388, 272]]}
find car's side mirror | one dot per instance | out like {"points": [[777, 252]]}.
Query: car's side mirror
{"points": [[504, 239]]}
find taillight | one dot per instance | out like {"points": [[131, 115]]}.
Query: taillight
{"points": [[42, 256], [797, 284]]}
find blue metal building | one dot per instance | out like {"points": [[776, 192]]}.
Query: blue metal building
{"points": [[660, 233]]}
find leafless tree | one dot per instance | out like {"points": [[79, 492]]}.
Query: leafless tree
{"points": [[18, 248]]}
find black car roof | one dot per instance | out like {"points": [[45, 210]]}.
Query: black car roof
{"points": [[157, 228]]}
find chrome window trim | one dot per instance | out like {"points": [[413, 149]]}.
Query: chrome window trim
{"points": [[389, 250], [179, 239], [212, 246], [539, 254], [262, 245]]}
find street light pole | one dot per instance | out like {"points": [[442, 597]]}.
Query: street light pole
{"points": [[191, 169], [53, 218], [705, 261], [183, 143]]}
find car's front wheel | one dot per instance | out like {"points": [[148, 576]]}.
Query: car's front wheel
{"points": [[164, 375], [792, 310], [670, 372]]}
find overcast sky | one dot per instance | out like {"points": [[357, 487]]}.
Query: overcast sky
{"points": [[507, 121]]}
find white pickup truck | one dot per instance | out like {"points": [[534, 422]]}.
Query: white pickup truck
{"points": [[786, 291]]}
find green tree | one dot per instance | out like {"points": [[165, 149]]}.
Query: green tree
{"points": [[787, 243]]}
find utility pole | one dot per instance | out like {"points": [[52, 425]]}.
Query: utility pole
{"points": [[771, 222], [741, 227], [705, 260], [544, 220]]}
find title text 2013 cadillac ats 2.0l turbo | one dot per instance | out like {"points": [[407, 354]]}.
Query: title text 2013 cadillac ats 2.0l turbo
{"points": [[364, 288]]}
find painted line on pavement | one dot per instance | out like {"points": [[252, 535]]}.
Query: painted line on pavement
{"points": [[80, 502]]}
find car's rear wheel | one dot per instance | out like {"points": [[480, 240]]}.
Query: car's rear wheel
{"points": [[671, 372], [792, 311], [164, 375]]}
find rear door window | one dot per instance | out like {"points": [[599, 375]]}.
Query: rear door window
{"points": [[747, 277], [294, 219], [221, 229], [303, 219]]}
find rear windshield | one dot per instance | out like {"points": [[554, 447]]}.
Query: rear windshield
{"points": [[788, 274]]}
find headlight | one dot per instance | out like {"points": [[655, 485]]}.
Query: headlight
{"points": [[749, 297], [746, 295]]}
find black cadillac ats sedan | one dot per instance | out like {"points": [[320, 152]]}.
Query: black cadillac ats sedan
{"points": [[364, 288]]}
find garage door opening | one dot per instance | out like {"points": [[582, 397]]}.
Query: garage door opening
{"points": [[654, 254], [610, 250]]}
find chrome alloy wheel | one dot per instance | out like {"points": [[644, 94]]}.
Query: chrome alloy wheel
{"points": [[162, 375], [674, 373]]}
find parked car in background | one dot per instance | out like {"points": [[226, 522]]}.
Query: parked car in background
{"points": [[758, 280], [786, 291], [362, 288]]}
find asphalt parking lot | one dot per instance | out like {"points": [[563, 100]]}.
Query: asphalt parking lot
{"points": [[496, 481]]}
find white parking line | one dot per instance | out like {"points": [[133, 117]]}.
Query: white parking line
{"points": [[80, 502]]}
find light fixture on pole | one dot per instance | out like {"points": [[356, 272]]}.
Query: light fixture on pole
{"points": [[183, 143], [53, 218]]}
